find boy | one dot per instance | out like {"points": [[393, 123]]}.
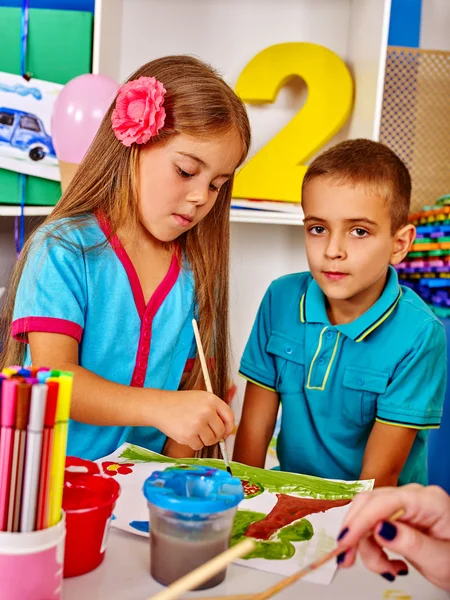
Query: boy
{"points": [[357, 361]]}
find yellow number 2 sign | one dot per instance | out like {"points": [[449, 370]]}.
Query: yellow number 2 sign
{"points": [[277, 170]]}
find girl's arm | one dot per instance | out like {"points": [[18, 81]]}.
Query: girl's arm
{"points": [[259, 417], [192, 418]]}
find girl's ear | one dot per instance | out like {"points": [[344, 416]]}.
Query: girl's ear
{"points": [[403, 240]]}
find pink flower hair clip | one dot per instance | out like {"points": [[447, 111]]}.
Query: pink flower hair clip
{"points": [[139, 113]]}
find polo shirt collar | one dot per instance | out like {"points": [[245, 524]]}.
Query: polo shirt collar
{"points": [[313, 309]]}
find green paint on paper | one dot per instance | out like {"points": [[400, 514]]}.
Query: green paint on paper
{"points": [[298, 532], [242, 520], [278, 548], [324, 543], [273, 481]]}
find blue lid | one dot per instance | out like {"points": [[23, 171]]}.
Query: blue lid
{"points": [[200, 490]]}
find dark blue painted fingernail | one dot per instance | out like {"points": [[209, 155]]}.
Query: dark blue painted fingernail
{"points": [[340, 558], [342, 534], [403, 572], [388, 531], [388, 576]]}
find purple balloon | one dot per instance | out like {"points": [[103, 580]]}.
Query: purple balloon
{"points": [[78, 112]]}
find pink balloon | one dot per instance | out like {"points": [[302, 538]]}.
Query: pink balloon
{"points": [[77, 114]]}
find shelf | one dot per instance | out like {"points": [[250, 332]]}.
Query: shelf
{"points": [[238, 215], [10, 210]]}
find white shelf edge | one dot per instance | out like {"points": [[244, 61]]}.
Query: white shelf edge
{"points": [[13, 210], [238, 215]]}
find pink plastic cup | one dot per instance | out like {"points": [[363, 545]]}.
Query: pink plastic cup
{"points": [[31, 564]]}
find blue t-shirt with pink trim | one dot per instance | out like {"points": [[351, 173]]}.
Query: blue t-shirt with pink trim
{"points": [[94, 296]]}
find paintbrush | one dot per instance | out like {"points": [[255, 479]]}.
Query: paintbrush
{"points": [[201, 354], [287, 581]]}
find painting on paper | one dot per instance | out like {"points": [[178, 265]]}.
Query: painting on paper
{"points": [[293, 518], [26, 108]]}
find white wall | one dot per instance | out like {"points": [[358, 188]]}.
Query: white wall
{"points": [[259, 254], [435, 25]]}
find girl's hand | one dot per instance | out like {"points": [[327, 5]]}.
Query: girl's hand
{"points": [[421, 535], [194, 418]]}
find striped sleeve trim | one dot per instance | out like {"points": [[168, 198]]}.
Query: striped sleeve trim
{"points": [[256, 382], [407, 425], [21, 327]]}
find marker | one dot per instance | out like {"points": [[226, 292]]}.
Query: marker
{"points": [[24, 372], [46, 454], [8, 371], [28, 515], [43, 375], [7, 420], [2, 378], [59, 448], [15, 492]]}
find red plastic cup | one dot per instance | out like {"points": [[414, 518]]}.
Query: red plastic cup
{"points": [[88, 501]]}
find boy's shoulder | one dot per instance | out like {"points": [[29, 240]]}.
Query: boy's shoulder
{"points": [[283, 297], [412, 328], [413, 312], [292, 285]]}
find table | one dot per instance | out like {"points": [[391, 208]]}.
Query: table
{"points": [[124, 575]]}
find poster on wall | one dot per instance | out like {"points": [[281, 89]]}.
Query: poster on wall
{"points": [[25, 134]]}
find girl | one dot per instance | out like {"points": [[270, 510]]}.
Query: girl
{"points": [[136, 247]]}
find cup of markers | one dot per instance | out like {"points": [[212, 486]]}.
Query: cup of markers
{"points": [[34, 415]]}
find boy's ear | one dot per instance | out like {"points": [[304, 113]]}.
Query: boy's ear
{"points": [[403, 240]]}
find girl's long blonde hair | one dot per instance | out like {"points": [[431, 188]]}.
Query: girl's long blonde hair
{"points": [[199, 103]]}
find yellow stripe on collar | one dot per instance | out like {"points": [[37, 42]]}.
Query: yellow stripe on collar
{"points": [[380, 320]]}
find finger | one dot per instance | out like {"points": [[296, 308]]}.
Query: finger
{"points": [[207, 436], [218, 427], [347, 557], [376, 559], [400, 567], [227, 416], [370, 508], [429, 555], [195, 443]]}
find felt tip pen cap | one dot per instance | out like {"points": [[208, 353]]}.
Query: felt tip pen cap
{"points": [[24, 372], [9, 402], [23, 405], [8, 371], [67, 373], [37, 407], [64, 398], [50, 407], [42, 376]]}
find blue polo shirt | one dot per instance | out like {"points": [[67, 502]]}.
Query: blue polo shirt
{"points": [[94, 296], [335, 381]]}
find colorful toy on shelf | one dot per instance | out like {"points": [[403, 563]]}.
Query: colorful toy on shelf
{"points": [[426, 269]]}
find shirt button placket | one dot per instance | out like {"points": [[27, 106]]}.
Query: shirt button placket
{"points": [[323, 359]]}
